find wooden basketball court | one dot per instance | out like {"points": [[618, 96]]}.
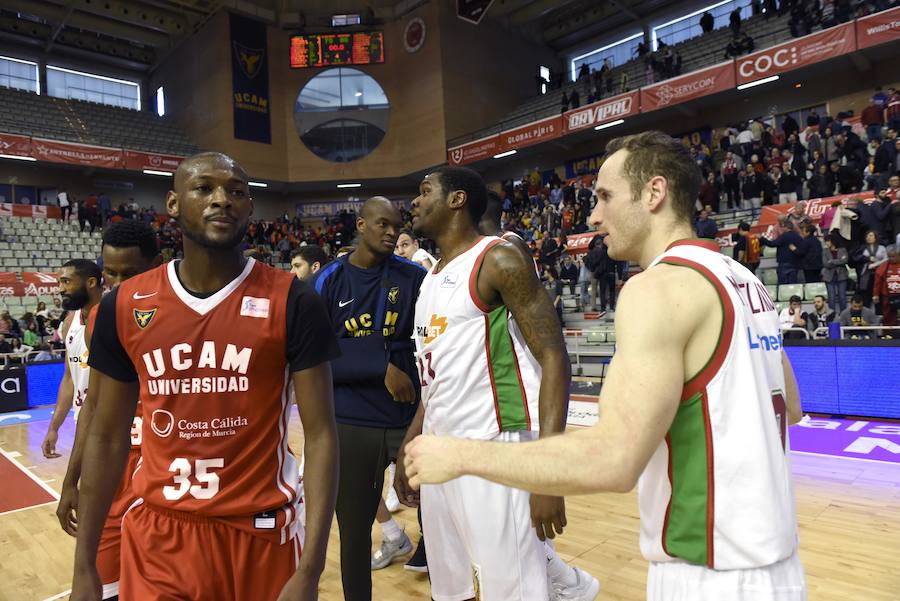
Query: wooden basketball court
{"points": [[849, 513]]}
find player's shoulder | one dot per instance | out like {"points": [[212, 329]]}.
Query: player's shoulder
{"points": [[666, 288], [325, 274], [405, 265], [142, 285], [271, 275]]}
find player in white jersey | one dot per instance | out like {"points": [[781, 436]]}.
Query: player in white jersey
{"points": [[566, 582], [80, 288], [493, 366], [695, 404]]}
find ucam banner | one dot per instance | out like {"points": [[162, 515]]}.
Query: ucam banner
{"points": [[532, 133], [14, 145], [704, 82], [598, 113], [801, 52], [474, 151], [138, 161], [878, 28], [76, 154], [250, 80]]}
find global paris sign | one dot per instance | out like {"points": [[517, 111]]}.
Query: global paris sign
{"points": [[598, 113]]}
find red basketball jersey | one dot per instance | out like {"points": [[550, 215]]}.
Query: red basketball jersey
{"points": [[214, 380]]}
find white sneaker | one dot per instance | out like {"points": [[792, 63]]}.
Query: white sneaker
{"points": [[392, 502], [391, 550], [586, 588]]}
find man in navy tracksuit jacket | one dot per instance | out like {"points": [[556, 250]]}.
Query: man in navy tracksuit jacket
{"points": [[371, 295]]}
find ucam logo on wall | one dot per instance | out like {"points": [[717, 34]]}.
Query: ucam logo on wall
{"points": [[798, 53]]}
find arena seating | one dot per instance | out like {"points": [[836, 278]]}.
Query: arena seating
{"points": [[696, 53], [89, 123]]}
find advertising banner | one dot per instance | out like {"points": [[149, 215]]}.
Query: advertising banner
{"points": [[12, 144], [76, 154], [474, 151], [704, 82], [532, 133], [878, 28], [250, 80], [808, 50], [598, 113], [138, 161]]}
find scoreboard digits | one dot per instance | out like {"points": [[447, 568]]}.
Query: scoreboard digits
{"points": [[327, 50]]}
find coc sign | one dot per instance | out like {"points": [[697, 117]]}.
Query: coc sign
{"points": [[13, 390], [798, 53], [598, 113]]}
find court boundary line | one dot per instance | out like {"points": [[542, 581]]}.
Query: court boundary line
{"points": [[27, 508], [59, 596], [879, 461], [30, 474]]}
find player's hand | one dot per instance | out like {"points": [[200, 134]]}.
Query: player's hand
{"points": [[86, 585], [302, 586], [876, 299], [548, 514], [65, 511], [432, 460], [399, 384], [405, 492], [48, 447]]}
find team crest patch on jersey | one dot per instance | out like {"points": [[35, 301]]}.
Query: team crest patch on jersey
{"points": [[394, 294], [255, 307], [143, 318]]}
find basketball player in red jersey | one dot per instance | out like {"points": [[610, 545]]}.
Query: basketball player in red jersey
{"points": [[129, 247], [211, 344]]}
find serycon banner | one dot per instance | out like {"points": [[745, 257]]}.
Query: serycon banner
{"points": [[13, 390], [250, 80]]}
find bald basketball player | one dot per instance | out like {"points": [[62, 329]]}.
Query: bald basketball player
{"points": [[129, 247], [210, 343], [696, 402]]}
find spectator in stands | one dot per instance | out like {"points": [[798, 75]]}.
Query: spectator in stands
{"points": [[892, 195], [707, 22], [574, 100], [41, 310], [104, 206], [549, 252], [810, 251], [797, 215], [731, 168], [820, 316], [872, 118], [31, 337], [564, 102], [786, 183], [733, 49], [885, 159], [790, 126], [858, 315], [751, 188], [792, 318], [65, 206], [788, 263], [873, 255], [56, 311], [12, 325], [873, 217], [892, 110], [568, 273], [709, 192], [821, 184], [705, 226], [307, 260], [584, 72], [747, 247], [886, 291], [5, 347], [44, 354], [555, 289], [734, 22]]}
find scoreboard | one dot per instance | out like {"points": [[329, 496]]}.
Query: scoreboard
{"points": [[327, 50]]}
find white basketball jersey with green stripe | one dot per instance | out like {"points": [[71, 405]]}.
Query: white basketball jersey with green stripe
{"points": [[478, 376], [718, 491]]}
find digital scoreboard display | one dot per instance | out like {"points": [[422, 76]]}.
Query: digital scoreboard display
{"points": [[330, 50]]}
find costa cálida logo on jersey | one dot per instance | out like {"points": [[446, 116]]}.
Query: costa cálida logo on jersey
{"points": [[143, 318]]}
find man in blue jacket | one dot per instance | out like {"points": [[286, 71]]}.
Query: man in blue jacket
{"points": [[788, 261], [371, 296]]}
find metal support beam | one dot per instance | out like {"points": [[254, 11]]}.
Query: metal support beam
{"points": [[536, 10], [70, 6]]}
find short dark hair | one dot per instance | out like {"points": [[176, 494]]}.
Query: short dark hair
{"points": [[744, 226], [468, 181], [795, 299], [131, 232], [311, 253], [85, 269], [653, 153], [822, 296], [857, 298]]}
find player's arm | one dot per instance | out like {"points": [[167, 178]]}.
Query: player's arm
{"points": [[640, 397], [68, 497], [407, 495], [320, 448], [507, 274], [106, 446], [63, 400], [791, 391]]}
